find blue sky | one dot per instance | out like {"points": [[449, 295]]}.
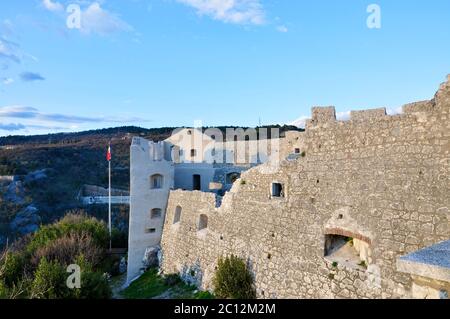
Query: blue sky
{"points": [[225, 62]]}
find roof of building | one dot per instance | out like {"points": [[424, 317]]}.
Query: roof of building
{"points": [[431, 262]]}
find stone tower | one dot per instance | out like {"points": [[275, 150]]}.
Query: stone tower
{"points": [[152, 178]]}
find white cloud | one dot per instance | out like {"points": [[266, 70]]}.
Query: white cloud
{"points": [[8, 81], [10, 51], [300, 122], [230, 11], [31, 113], [396, 111], [282, 29], [95, 19], [52, 6], [343, 116]]}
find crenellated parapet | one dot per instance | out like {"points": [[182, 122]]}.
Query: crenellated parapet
{"points": [[321, 115], [154, 151], [367, 115]]}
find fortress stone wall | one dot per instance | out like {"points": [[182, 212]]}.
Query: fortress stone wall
{"points": [[380, 180]]}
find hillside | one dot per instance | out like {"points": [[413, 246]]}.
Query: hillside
{"points": [[50, 169]]}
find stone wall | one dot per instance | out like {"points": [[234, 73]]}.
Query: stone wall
{"points": [[381, 179]]}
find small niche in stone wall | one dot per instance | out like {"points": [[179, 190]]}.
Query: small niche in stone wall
{"points": [[221, 237], [277, 190], [202, 222], [269, 256], [177, 216]]}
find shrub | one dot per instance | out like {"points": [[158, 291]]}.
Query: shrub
{"points": [[66, 249], [233, 280], [49, 281], [94, 285], [172, 280], [204, 295], [77, 223], [11, 268], [4, 294]]}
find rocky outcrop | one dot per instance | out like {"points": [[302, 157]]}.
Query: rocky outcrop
{"points": [[36, 175], [26, 221], [15, 192]]}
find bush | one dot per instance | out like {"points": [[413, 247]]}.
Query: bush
{"points": [[49, 281], [66, 249], [233, 280], [4, 294], [94, 285], [172, 280], [74, 223], [36, 267], [11, 268]]}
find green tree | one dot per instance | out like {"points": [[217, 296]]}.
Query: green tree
{"points": [[49, 281], [233, 279]]}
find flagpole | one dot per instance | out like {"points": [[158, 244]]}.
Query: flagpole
{"points": [[109, 201]]}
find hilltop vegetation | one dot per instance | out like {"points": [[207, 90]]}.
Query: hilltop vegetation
{"points": [[36, 265]]}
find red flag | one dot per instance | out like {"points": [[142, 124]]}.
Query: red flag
{"points": [[108, 154]]}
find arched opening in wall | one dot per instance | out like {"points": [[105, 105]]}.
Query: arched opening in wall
{"points": [[350, 250], [296, 151], [156, 213], [232, 177], [196, 182], [156, 181], [177, 216], [202, 222]]}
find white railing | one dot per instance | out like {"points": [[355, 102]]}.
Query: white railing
{"points": [[91, 200]]}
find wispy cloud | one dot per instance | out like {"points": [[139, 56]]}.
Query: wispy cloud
{"points": [[97, 20], [282, 29], [9, 51], [53, 6], [31, 76], [94, 19], [12, 127], [7, 81], [230, 11], [25, 112]]}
